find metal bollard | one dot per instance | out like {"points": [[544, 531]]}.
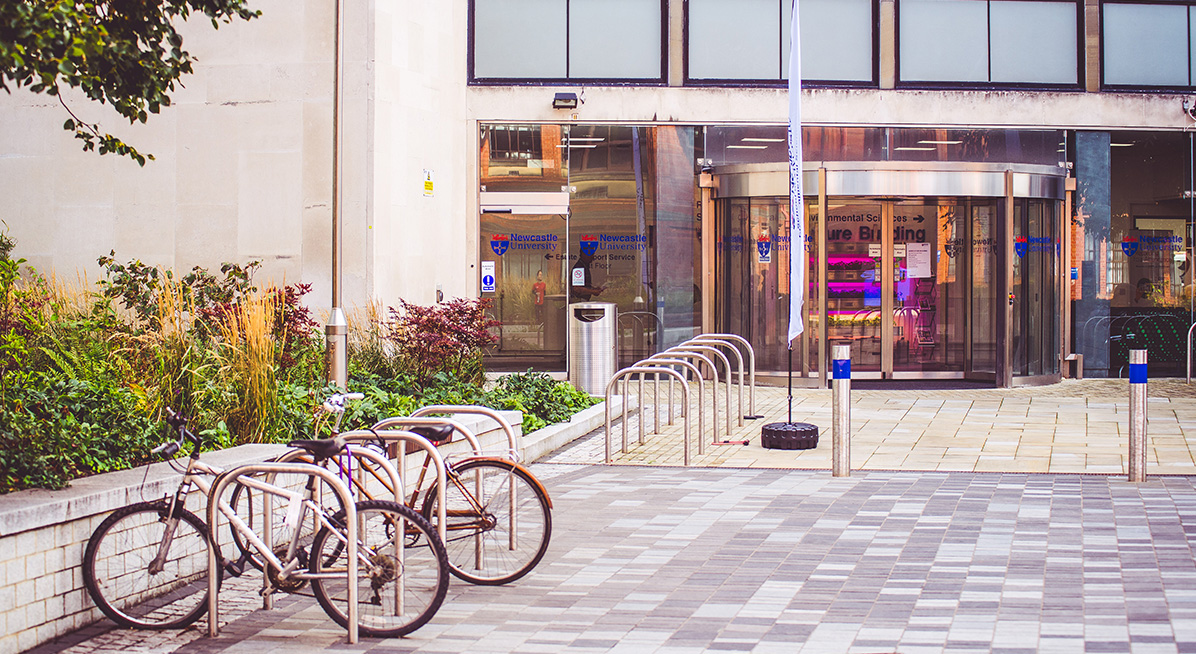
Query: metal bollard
{"points": [[1137, 415], [841, 423]]}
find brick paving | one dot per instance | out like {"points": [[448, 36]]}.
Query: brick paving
{"points": [[770, 553]]}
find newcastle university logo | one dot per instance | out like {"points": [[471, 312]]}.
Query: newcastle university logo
{"points": [[1020, 246], [589, 245], [764, 247], [499, 243], [1129, 245]]}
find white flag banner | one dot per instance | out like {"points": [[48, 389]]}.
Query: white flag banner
{"points": [[797, 208]]}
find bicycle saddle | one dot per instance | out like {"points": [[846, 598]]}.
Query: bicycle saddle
{"points": [[324, 448], [436, 433]]}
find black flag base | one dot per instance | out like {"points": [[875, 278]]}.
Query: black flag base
{"points": [[789, 436]]}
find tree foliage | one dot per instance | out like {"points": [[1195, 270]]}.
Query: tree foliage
{"points": [[125, 53]]}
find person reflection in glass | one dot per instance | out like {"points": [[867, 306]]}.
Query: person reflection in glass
{"points": [[538, 291], [581, 279]]}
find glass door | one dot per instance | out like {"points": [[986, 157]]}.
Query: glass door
{"points": [[929, 306], [855, 280]]}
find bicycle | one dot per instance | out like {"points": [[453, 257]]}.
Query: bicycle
{"points": [[146, 565], [490, 538]]}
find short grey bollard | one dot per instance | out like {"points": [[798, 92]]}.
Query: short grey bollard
{"points": [[1137, 415], [841, 423]]}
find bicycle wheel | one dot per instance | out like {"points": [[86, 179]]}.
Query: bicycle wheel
{"points": [[249, 505], [117, 567], [482, 547], [398, 588]]}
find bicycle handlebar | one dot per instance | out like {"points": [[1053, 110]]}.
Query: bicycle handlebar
{"points": [[336, 403]]}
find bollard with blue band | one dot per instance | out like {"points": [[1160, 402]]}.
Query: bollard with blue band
{"points": [[841, 425], [1137, 472]]}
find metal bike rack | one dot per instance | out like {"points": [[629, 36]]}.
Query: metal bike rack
{"points": [[225, 479], [718, 342], [473, 409], [396, 470], [610, 386], [1190, 352], [714, 369], [686, 360], [751, 352], [683, 361]]}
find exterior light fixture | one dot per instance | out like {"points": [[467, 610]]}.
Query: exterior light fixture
{"points": [[565, 101]]}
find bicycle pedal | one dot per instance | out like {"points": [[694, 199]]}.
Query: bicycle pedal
{"points": [[237, 568]]}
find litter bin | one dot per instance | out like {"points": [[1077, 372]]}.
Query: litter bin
{"points": [[592, 351]]}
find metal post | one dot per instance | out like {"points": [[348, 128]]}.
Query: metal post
{"points": [[841, 423], [337, 331], [1137, 415]]}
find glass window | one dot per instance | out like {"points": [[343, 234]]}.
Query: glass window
{"points": [[943, 40], [519, 38], [614, 38], [567, 39], [735, 40], [1033, 42], [836, 40], [1146, 45]]}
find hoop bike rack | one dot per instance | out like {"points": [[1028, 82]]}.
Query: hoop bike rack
{"points": [[641, 370]]}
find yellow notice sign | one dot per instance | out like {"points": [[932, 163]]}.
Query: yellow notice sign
{"points": [[429, 183]]}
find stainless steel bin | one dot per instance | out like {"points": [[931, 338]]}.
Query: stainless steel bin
{"points": [[593, 328]]}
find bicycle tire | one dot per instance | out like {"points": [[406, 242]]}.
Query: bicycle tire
{"points": [[116, 568], [424, 569], [466, 528]]}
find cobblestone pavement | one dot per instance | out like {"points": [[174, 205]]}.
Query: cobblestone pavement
{"points": [[680, 560], [738, 553]]}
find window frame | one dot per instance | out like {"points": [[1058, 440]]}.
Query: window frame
{"points": [[1029, 86], [474, 80], [782, 82], [1146, 88]]}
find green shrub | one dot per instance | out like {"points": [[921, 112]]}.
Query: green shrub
{"points": [[537, 394], [54, 429]]}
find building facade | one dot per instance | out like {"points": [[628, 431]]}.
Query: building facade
{"points": [[991, 185]]}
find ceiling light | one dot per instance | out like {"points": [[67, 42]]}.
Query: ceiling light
{"points": [[941, 142], [747, 147], [910, 148], [759, 139]]}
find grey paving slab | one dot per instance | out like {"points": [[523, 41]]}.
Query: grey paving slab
{"points": [[661, 560]]}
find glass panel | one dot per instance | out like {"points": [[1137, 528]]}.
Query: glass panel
{"points": [[1033, 42], [928, 303], [943, 40], [1145, 44], [677, 275], [519, 38], [985, 286], [1149, 279], [1010, 145], [614, 39], [734, 40], [522, 158], [813, 285], [527, 253], [853, 262], [836, 40]]}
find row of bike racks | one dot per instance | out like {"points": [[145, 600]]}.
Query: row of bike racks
{"points": [[688, 357], [385, 430]]}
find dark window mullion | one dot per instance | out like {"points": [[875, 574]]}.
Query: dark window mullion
{"points": [[988, 33], [568, 32]]}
